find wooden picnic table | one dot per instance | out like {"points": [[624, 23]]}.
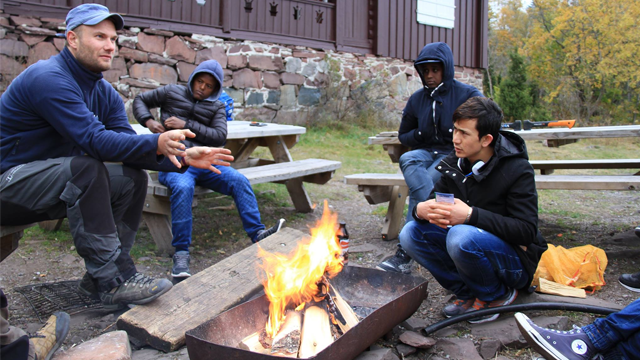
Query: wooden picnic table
{"points": [[379, 188], [243, 139]]}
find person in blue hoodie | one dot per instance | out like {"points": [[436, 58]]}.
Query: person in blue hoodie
{"points": [[197, 107], [427, 128], [67, 150]]}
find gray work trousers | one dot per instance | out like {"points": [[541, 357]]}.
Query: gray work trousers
{"points": [[103, 203]]}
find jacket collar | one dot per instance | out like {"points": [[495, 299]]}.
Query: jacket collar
{"points": [[83, 76]]}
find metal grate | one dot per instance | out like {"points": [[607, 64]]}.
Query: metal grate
{"points": [[47, 298]]}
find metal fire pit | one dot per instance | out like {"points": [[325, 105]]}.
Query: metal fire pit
{"points": [[384, 299]]}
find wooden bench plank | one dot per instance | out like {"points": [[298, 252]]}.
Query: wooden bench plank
{"points": [[587, 182], [546, 167], [163, 322]]}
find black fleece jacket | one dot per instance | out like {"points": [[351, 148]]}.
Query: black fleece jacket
{"points": [[503, 196]]}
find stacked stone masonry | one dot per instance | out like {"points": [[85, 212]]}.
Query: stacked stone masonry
{"points": [[268, 82]]}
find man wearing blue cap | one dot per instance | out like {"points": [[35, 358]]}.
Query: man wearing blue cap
{"points": [[61, 121], [197, 107]]}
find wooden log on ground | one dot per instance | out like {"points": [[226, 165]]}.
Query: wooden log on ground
{"points": [[287, 341], [162, 323], [316, 332]]}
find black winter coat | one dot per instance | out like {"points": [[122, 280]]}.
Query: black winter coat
{"points": [[503, 196], [207, 119]]}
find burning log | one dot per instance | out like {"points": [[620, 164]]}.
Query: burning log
{"points": [[253, 343], [287, 342], [316, 332], [349, 318]]}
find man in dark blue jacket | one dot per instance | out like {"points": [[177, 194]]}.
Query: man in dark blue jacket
{"points": [[61, 121], [197, 107], [427, 129]]}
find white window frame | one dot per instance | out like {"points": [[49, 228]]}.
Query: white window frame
{"points": [[441, 13]]}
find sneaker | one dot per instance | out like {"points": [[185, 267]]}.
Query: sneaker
{"points": [[262, 234], [400, 262], [555, 344], [181, 260], [638, 231], [511, 295], [48, 339], [457, 307], [139, 289], [630, 281], [87, 287]]}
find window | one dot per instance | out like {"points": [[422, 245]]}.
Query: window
{"points": [[436, 13]]}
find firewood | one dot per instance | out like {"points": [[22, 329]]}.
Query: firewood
{"points": [[554, 288], [316, 332], [349, 316], [252, 343], [287, 341]]}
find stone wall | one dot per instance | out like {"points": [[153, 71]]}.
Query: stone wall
{"points": [[268, 82]]}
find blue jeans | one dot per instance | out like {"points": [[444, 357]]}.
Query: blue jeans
{"points": [[618, 335], [419, 170], [469, 261], [229, 182]]}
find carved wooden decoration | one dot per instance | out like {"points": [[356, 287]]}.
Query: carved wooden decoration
{"points": [[274, 9], [297, 12], [248, 5], [319, 14]]}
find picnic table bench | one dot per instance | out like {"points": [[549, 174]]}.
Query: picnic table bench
{"points": [[380, 188]]}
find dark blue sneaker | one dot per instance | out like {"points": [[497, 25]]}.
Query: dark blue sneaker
{"points": [[262, 234], [555, 344], [630, 281], [181, 260]]}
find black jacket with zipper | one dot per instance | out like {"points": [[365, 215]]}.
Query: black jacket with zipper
{"points": [[503, 196]]}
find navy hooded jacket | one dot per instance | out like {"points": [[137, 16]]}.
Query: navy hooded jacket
{"points": [[427, 117], [58, 108], [206, 118]]}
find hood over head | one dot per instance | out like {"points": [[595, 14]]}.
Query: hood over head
{"points": [[210, 67], [440, 52]]}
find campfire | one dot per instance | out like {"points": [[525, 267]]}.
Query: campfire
{"points": [[306, 313]]}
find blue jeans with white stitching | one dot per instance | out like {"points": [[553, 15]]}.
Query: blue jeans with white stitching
{"points": [[469, 261], [229, 182]]}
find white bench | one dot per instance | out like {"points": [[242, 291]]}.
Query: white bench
{"points": [[380, 188], [157, 209]]}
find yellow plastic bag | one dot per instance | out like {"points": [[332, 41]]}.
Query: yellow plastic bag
{"points": [[581, 267]]}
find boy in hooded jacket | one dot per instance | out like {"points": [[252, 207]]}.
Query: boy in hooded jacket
{"points": [[484, 245], [427, 129], [197, 107]]}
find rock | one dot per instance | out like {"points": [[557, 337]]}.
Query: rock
{"points": [[236, 62], [32, 39], [25, 20], [140, 83], [239, 48], [489, 348], [118, 69], [307, 54], [137, 55], [398, 85], [273, 97], [255, 98], [458, 349], [350, 74], [13, 48], [294, 65], [413, 323], [310, 69], [4, 22], [162, 60], [151, 43], [263, 62], [246, 78], [216, 53], [288, 96], [110, 346], [414, 339], [160, 73], [271, 80], [506, 331], [260, 114], [58, 43], [53, 23], [292, 117], [290, 78], [176, 48], [308, 96], [42, 51], [185, 70], [319, 80], [380, 354], [228, 78], [236, 95], [158, 32], [405, 350], [36, 30]]}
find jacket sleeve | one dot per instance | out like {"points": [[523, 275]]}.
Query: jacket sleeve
{"points": [[520, 225], [146, 101], [408, 134], [212, 132]]}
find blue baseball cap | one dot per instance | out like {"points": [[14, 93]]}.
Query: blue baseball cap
{"points": [[91, 14]]}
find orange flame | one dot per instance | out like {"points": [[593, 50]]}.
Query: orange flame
{"points": [[291, 279]]}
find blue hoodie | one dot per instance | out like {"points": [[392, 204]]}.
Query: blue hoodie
{"points": [[205, 118], [427, 117], [58, 108]]}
